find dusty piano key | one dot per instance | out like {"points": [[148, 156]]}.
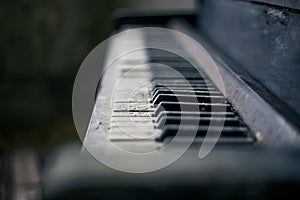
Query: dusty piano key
{"points": [[162, 56], [180, 81], [134, 68], [196, 107], [132, 97], [137, 76], [178, 70], [184, 120], [164, 43], [161, 59], [201, 131], [132, 133], [132, 114], [120, 118], [173, 67], [180, 63], [196, 89], [188, 98], [146, 124], [192, 114], [136, 97], [159, 53], [141, 119], [120, 136], [123, 83], [184, 84], [178, 66], [177, 74], [151, 52], [193, 85], [159, 91], [132, 107]]}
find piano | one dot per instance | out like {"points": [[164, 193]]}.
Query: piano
{"points": [[188, 105]]}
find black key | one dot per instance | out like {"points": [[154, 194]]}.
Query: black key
{"points": [[168, 77], [181, 81], [201, 131], [163, 80], [191, 107], [157, 92], [188, 98], [200, 121], [174, 88], [193, 114], [184, 85]]}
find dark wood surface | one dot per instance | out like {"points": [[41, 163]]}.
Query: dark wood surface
{"points": [[263, 38]]}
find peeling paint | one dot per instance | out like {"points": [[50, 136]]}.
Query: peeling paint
{"points": [[276, 16]]}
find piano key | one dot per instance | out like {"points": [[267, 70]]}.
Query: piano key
{"points": [[185, 92], [168, 77], [188, 98], [158, 91], [184, 66], [132, 125], [221, 140], [160, 69], [159, 59], [180, 62], [196, 107], [151, 52], [127, 118], [181, 81], [201, 131], [157, 84], [128, 131], [157, 68], [132, 107], [196, 89], [193, 114], [178, 80], [118, 134], [132, 114], [177, 74], [184, 120]]}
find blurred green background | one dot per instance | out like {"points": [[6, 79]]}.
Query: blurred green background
{"points": [[42, 44]]}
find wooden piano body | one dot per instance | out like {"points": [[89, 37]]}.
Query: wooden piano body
{"points": [[257, 154]]}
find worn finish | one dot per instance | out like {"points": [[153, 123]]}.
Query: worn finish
{"points": [[272, 128], [291, 4], [262, 39]]}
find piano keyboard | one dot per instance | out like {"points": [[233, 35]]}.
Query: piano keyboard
{"points": [[158, 96], [152, 103]]}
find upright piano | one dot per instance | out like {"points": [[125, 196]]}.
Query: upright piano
{"points": [[189, 105]]}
